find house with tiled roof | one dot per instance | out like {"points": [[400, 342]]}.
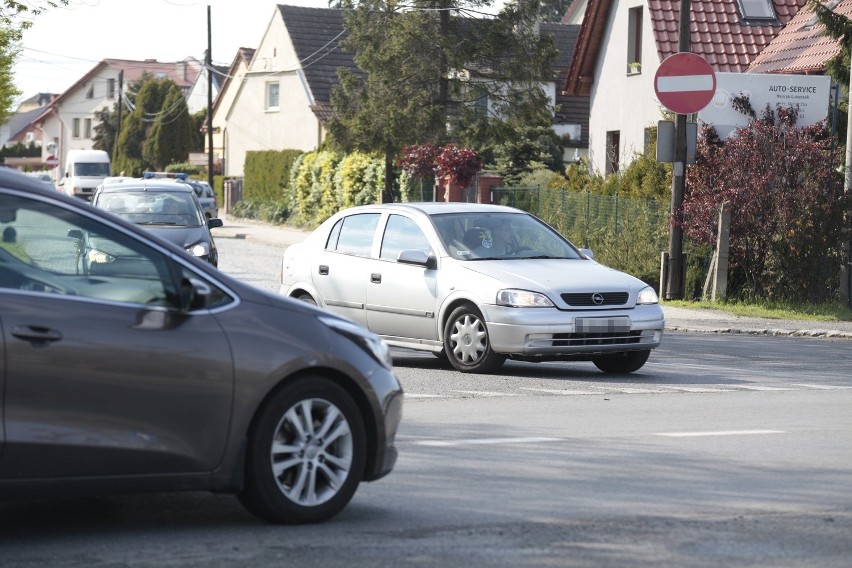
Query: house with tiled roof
{"points": [[68, 121], [622, 44], [802, 46], [233, 79], [284, 96], [196, 98], [284, 99], [571, 118]]}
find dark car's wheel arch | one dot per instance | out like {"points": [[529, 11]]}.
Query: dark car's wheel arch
{"points": [[351, 389]]}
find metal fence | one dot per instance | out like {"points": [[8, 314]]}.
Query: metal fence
{"points": [[626, 234]]}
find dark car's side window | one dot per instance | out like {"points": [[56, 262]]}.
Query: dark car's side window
{"points": [[48, 249], [354, 234], [402, 233]]}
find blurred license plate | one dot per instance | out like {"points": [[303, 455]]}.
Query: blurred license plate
{"points": [[602, 325]]}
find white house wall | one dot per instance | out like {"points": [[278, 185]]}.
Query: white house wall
{"points": [[250, 127], [620, 101], [58, 127], [223, 107]]}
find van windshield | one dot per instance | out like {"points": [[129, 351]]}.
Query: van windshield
{"points": [[96, 169]]}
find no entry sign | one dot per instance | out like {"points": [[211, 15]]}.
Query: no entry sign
{"points": [[685, 83]]}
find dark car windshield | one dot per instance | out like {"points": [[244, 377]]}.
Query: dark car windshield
{"points": [[176, 208], [490, 236]]}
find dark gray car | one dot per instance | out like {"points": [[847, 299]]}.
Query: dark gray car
{"points": [[163, 206], [175, 376]]}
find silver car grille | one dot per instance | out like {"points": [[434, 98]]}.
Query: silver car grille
{"points": [[586, 299], [581, 339]]}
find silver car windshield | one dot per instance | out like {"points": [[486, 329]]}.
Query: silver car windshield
{"points": [[152, 208], [492, 236]]}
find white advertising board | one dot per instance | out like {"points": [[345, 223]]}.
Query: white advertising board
{"points": [[810, 92]]}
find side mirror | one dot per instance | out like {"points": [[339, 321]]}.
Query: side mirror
{"points": [[193, 294], [417, 258], [214, 223], [76, 234], [588, 253]]}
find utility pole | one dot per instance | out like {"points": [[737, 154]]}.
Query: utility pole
{"points": [[846, 268], [674, 280], [120, 105], [208, 64]]}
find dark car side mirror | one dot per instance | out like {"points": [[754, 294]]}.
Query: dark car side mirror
{"points": [[193, 294], [214, 223]]}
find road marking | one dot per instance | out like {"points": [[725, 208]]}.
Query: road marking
{"points": [[485, 441], [719, 433], [696, 389], [417, 395], [626, 390], [754, 388], [821, 387], [487, 393], [559, 391]]}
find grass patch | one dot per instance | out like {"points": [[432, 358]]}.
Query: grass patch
{"points": [[770, 311]]}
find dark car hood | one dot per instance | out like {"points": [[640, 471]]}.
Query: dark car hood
{"points": [[181, 236]]}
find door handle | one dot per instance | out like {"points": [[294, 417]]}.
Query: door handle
{"points": [[323, 269], [36, 333], [376, 278]]}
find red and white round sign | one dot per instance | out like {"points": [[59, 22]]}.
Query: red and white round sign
{"points": [[685, 83], [51, 161]]}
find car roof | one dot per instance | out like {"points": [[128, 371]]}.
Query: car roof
{"points": [[439, 207], [18, 180], [154, 185]]}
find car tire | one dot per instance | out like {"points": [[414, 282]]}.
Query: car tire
{"points": [[306, 453], [467, 344], [307, 298], [622, 363]]}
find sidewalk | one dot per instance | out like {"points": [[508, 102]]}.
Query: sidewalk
{"points": [[677, 319]]}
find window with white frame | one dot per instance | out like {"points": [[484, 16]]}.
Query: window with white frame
{"points": [[634, 40], [272, 94], [757, 10], [75, 128], [110, 88], [90, 93], [87, 128]]}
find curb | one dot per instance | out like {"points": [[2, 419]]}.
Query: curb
{"points": [[818, 334]]}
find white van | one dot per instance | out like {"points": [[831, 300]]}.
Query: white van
{"points": [[84, 171]]}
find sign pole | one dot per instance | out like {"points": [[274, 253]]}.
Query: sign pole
{"points": [[674, 280]]}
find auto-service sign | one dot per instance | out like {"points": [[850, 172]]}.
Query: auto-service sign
{"points": [[685, 83], [810, 94]]}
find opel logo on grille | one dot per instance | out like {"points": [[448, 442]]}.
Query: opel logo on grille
{"points": [[597, 298]]}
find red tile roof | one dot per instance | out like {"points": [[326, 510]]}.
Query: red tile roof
{"points": [[801, 46], [717, 33]]}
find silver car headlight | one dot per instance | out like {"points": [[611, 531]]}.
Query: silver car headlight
{"points": [[367, 340], [647, 296], [199, 249], [523, 299]]}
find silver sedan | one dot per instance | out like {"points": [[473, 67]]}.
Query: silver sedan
{"points": [[474, 283]]}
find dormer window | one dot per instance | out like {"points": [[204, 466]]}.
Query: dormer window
{"points": [[814, 20], [757, 10]]}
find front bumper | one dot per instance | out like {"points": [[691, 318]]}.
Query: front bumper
{"points": [[549, 332]]}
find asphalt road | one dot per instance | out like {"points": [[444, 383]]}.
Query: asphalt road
{"points": [[726, 449]]}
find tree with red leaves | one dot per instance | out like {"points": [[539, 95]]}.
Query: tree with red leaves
{"points": [[458, 165], [418, 161], [786, 201]]}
